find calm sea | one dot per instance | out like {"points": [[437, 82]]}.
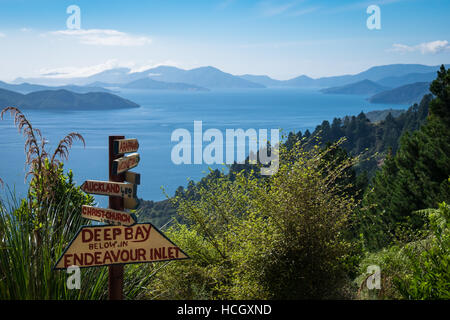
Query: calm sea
{"points": [[153, 123]]}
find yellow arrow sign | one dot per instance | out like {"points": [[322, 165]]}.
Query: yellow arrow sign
{"points": [[108, 245]]}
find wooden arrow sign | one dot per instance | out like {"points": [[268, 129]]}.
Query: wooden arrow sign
{"points": [[125, 163], [109, 188], [125, 146], [109, 245], [108, 216]]}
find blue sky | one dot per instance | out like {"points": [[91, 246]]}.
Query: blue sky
{"points": [[282, 39]]}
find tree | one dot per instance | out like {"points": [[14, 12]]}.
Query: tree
{"points": [[416, 177], [441, 89]]}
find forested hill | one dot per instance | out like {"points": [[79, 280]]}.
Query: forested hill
{"points": [[64, 100], [361, 87], [362, 135], [380, 115], [406, 94]]}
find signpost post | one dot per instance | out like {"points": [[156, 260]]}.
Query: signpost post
{"points": [[122, 240], [115, 276]]}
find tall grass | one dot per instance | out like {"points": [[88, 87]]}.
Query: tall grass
{"points": [[26, 270]]}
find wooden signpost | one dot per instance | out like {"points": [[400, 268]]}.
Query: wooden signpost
{"points": [[123, 240]]}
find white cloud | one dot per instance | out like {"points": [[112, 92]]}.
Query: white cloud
{"points": [[75, 72], [2, 35], [80, 72], [104, 37], [398, 47], [432, 47], [150, 65]]}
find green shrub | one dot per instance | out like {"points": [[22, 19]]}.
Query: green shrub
{"points": [[393, 263], [280, 237], [430, 265], [417, 270]]}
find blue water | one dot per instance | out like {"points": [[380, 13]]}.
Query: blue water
{"points": [[152, 124]]}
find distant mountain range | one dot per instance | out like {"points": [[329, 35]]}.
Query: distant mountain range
{"points": [[207, 77], [149, 84], [407, 94], [397, 81], [63, 100], [396, 84], [262, 80], [212, 78], [204, 77], [363, 87], [28, 87], [393, 75]]}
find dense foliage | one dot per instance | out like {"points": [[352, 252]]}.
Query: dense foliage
{"points": [[415, 270], [373, 139], [430, 260], [160, 213], [415, 178]]}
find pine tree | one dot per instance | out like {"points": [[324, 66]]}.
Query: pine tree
{"points": [[416, 177]]}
